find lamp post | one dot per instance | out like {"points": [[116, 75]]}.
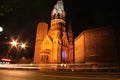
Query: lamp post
{"points": [[17, 47]]}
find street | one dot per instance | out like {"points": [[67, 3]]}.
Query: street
{"points": [[56, 75]]}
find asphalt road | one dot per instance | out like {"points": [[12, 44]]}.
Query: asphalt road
{"points": [[56, 75]]}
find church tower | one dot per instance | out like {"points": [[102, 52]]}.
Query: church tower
{"points": [[42, 30], [55, 47], [71, 47]]}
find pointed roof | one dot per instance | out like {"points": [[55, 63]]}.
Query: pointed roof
{"points": [[58, 10], [69, 27], [59, 5]]}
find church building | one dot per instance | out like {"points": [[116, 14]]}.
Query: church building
{"points": [[57, 46]]}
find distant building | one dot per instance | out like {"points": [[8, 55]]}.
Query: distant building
{"points": [[57, 45], [100, 45], [42, 30]]}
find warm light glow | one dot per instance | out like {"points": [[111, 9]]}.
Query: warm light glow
{"points": [[23, 45], [14, 43], [1, 29], [5, 59], [63, 54]]}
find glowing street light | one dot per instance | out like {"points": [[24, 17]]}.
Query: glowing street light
{"points": [[23, 45], [14, 43], [1, 29], [16, 47]]}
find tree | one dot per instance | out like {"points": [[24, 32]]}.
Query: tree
{"points": [[4, 7], [23, 60]]}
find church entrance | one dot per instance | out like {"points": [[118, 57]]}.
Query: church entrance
{"points": [[64, 56]]}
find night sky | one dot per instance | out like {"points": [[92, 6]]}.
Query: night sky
{"points": [[83, 14]]}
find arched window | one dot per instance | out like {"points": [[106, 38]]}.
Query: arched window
{"points": [[64, 54], [58, 15], [44, 58]]}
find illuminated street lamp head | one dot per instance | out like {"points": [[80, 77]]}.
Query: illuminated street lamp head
{"points": [[14, 43], [23, 45], [1, 29]]}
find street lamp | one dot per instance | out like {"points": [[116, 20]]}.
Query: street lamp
{"points": [[23, 45], [17, 47], [1, 29], [14, 43]]}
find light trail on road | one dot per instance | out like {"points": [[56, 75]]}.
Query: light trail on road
{"points": [[57, 75]]}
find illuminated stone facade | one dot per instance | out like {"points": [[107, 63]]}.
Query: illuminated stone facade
{"points": [[57, 46], [42, 29], [100, 45]]}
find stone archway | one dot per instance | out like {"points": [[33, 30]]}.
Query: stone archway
{"points": [[44, 57]]}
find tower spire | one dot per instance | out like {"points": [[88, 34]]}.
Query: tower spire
{"points": [[58, 11], [59, 5], [70, 34], [69, 27]]}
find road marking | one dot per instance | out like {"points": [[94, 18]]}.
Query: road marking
{"points": [[77, 77]]}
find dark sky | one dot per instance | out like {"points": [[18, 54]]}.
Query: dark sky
{"points": [[83, 14]]}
